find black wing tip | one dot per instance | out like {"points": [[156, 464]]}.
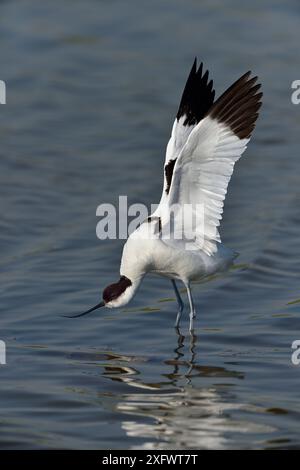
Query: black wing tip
{"points": [[197, 97], [238, 107]]}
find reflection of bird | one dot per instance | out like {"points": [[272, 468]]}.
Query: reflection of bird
{"points": [[180, 240], [185, 408]]}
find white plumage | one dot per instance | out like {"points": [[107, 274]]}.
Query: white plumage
{"points": [[202, 173], [206, 141]]}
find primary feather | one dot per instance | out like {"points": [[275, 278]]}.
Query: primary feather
{"points": [[202, 151]]}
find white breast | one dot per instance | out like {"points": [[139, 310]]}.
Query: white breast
{"points": [[145, 252]]}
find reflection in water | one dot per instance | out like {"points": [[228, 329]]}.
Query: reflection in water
{"points": [[182, 409]]}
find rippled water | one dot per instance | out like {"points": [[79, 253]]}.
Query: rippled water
{"points": [[92, 88]]}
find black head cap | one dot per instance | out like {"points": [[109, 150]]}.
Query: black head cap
{"points": [[113, 291]]}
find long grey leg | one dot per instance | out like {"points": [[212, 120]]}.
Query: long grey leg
{"points": [[180, 304], [192, 308]]}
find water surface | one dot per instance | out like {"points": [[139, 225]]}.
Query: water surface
{"points": [[92, 89]]}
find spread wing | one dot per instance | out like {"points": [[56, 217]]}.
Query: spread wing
{"points": [[205, 162], [197, 98]]}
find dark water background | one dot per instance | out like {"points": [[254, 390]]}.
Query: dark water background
{"points": [[92, 90]]}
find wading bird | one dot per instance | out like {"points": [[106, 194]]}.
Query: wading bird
{"points": [[207, 139]]}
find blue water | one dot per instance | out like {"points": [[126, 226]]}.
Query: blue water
{"points": [[92, 91]]}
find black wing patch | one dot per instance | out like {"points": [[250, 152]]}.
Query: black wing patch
{"points": [[150, 219], [169, 168], [198, 96]]}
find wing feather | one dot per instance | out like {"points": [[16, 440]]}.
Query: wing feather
{"points": [[197, 98], [204, 165]]}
